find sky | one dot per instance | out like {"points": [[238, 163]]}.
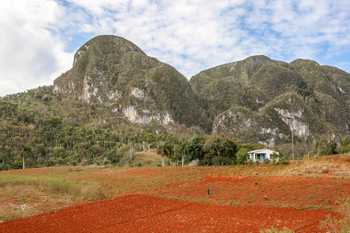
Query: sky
{"points": [[40, 37]]}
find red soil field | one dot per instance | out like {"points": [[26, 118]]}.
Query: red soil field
{"points": [[143, 213], [286, 191]]}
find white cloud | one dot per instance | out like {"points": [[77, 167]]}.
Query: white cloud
{"points": [[30, 53], [196, 34], [187, 34], [190, 34]]}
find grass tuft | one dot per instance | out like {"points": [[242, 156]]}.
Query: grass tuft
{"points": [[276, 230], [345, 222], [56, 185]]}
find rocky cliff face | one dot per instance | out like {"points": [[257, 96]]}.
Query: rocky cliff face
{"points": [[262, 100], [115, 73], [255, 100]]}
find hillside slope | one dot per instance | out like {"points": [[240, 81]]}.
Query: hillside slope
{"points": [[113, 72], [262, 100]]}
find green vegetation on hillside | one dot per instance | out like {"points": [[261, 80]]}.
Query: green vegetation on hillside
{"points": [[117, 101], [42, 138]]}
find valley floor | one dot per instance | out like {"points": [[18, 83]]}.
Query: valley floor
{"points": [[306, 196]]}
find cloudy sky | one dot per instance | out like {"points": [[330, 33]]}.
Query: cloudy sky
{"points": [[39, 37]]}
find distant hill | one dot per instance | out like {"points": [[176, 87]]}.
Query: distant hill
{"points": [[114, 86], [262, 100], [113, 72]]}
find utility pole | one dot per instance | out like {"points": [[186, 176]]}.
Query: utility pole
{"points": [[23, 161], [291, 127], [293, 155]]}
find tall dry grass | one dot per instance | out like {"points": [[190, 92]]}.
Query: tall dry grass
{"points": [[345, 222], [57, 185], [276, 230]]}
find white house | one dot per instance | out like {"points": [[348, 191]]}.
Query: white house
{"points": [[261, 155]]}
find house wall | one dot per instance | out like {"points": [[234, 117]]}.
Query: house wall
{"points": [[268, 155]]}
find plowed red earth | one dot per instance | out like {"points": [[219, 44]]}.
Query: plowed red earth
{"points": [[141, 213], [297, 192]]}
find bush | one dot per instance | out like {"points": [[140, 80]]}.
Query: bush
{"points": [[126, 154], [194, 148], [242, 155], [344, 146], [219, 151], [92, 192], [279, 158], [325, 147]]}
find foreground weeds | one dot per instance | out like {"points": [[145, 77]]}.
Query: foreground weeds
{"points": [[56, 185], [339, 226], [26, 195], [276, 230], [345, 222]]}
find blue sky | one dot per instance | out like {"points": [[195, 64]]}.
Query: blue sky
{"points": [[39, 37]]}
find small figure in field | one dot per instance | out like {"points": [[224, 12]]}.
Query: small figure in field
{"points": [[210, 191]]}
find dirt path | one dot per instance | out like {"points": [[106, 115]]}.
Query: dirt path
{"points": [[142, 213]]}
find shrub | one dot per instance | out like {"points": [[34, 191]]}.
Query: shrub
{"points": [[242, 155], [344, 146], [194, 148], [219, 151], [324, 147], [91, 192], [126, 154], [279, 158]]}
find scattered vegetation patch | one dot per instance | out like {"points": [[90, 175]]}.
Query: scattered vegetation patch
{"points": [[56, 185], [339, 225], [276, 230], [148, 159], [345, 222]]}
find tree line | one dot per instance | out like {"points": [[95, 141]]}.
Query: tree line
{"points": [[54, 142]]}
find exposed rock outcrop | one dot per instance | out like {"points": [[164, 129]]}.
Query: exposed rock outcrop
{"points": [[262, 100], [115, 73]]}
